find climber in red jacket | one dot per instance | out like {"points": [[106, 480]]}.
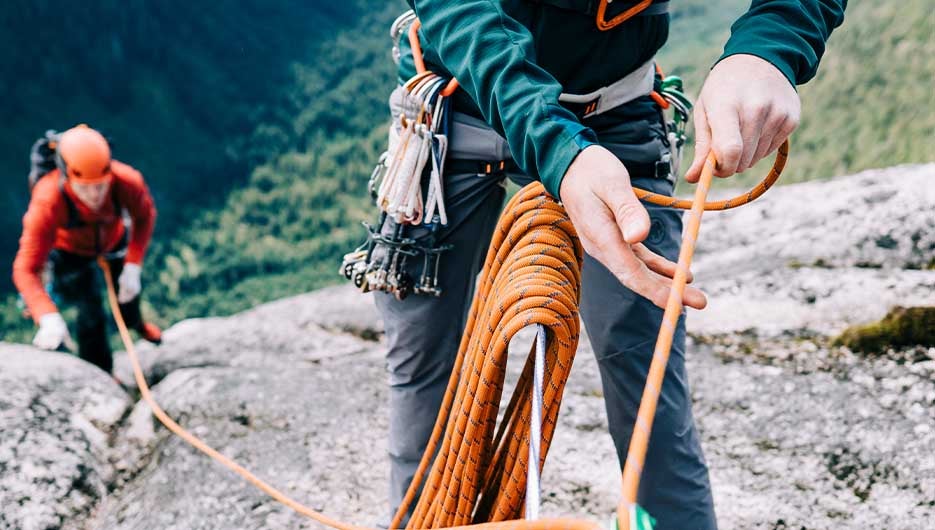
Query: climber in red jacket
{"points": [[76, 214]]}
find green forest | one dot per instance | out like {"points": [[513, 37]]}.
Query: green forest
{"points": [[257, 124]]}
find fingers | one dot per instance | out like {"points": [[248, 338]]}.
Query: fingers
{"points": [[762, 149], [639, 269], [702, 143], [727, 141], [789, 124], [753, 118], [778, 125], [657, 263], [629, 213], [656, 287]]}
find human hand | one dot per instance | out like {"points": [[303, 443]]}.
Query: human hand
{"points": [[53, 332], [746, 109], [611, 223], [129, 283]]}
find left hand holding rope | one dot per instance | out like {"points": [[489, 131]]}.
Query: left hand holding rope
{"points": [[611, 223]]}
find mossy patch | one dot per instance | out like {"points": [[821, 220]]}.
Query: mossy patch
{"points": [[902, 326]]}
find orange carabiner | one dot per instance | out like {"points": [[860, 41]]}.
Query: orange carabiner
{"points": [[603, 24], [420, 62]]}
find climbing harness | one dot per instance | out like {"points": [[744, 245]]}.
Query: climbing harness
{"points": [[406, 183], [637, 83]]}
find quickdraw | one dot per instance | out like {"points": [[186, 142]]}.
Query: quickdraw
{"points": [[407, 186]]}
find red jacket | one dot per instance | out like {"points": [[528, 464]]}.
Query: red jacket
{"points": [[45, 228]]}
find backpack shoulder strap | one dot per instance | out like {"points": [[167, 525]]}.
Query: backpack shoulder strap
{"points": [[74, 220]]}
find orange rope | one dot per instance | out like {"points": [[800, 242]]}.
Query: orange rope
{"points": [[531, 276], [782, 154], [277, 495], [193, 440], [639, 440]]}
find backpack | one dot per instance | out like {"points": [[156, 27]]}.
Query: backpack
{"points": [[42, 157], [42, 160]]}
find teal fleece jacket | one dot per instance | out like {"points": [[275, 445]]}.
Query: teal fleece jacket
{"points": [[513, 58]]}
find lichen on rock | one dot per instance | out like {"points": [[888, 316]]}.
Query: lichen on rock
{"points": [[902, 326]]}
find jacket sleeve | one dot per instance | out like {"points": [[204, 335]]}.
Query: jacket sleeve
{"points": [[493, 58], [35, 244], [790, 34], [139, 204]]}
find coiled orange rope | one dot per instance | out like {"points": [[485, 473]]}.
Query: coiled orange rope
{"points": [[531, 276]]}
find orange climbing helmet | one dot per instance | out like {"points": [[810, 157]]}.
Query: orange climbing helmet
{"points": [[83, 155]]}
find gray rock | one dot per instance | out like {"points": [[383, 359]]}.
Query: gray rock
{"points": [[798, 434], [58, 416], [309, 327], [820, 256]]}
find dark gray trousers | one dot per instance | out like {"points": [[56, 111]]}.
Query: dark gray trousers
{"points": [[423, 335]]}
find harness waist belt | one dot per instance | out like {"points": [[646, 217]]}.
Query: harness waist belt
{"points": [[636, 84]]}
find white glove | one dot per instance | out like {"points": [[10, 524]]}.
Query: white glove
{"points": [[129, 283], [53, 332]]}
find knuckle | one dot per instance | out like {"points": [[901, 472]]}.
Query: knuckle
{"points": [[731, 150], [759, 109], [625, 210]]}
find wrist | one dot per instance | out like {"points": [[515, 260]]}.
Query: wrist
{"points": [[51, 319]]}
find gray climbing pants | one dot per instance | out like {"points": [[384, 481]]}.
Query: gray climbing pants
{"points": [[423, 335]]}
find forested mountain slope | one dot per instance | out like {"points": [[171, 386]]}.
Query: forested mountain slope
{"points": [[310, 151]]}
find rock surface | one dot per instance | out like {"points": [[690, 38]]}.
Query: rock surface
{"points": [[797, 433], [58, 418]]}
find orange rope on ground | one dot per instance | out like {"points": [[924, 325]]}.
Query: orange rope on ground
{"points": [[277, 495], [193, 440], [531, 276]]}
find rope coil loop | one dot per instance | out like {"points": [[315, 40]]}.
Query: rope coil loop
{"points": [[531, 276]]}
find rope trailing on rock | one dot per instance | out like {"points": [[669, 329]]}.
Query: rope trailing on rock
{"points": [[531, 276], [193, 440]]}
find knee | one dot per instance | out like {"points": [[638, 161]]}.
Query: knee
{"points": [[417, 367]]}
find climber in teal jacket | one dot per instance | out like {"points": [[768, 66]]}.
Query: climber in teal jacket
{"points": [[514, 59]]}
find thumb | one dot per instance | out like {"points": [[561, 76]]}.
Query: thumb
{"points": [[702, 143], [629, 213]]}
